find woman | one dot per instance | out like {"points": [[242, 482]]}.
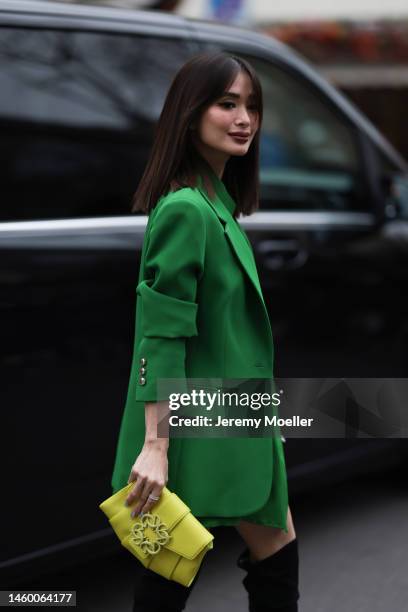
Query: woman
{"points": [[201, 314]]}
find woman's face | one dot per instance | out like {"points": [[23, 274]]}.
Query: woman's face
{"points": [[228, 126]]}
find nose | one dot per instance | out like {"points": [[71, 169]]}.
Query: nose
{"points": [[243, 117]]}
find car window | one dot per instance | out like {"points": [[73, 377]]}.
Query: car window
{"points": [[77, 113], [309, 157]]}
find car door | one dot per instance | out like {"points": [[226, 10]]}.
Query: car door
{"points": [[77, 113]]}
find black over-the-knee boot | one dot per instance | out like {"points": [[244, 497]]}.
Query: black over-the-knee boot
{"points": [[153, 593], [272, 583]]}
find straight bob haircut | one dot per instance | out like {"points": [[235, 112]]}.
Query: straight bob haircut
{"points": [[174, 161]]}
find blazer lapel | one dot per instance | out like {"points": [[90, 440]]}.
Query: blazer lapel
{"points": [[236, 239]]}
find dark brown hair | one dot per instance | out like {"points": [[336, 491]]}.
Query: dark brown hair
{"points": [[174, 160]]}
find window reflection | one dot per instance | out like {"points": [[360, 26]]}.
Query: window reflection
{"points": [[309, 153], [77, 112]]}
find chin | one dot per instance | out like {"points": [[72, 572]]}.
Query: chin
{"points": [[237, 149]]}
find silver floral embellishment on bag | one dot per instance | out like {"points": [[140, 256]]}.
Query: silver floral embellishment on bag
{"points": [[161, 534]]}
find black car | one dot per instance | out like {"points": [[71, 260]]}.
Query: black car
{"points": [[81, 91]]}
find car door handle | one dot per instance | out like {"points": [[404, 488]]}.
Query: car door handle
{"points": [[281, 254]]}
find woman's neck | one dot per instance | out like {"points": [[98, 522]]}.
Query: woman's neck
{"points": [[216, 162]]}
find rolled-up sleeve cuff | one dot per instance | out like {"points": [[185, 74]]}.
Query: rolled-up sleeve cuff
{"points": [[166, 316]]}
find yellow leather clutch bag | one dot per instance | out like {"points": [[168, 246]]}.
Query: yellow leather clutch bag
{"points": [[169, 540]]}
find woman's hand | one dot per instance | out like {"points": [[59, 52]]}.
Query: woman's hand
{"points": [[150, 471]]}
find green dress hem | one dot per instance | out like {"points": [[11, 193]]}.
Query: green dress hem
{"points": [[234, 521]]}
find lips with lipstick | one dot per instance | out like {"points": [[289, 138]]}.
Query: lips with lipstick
{"points": [[241, 137]]}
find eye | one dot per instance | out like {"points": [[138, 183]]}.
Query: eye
{"points": [[227, 104], [253, 107]]}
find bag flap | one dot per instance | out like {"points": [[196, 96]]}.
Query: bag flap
{"points": [[189, 537], [174, 524]]}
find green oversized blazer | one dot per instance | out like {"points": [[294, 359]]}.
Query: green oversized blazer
{"points": [[200, 313]]}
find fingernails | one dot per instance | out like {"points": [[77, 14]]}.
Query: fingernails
{"points": [[133, 513]]}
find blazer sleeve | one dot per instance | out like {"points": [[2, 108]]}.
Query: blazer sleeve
{"points": [[173, 265]]}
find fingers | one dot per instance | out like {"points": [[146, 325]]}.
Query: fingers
{"points": [[140, 494], [135, 491], [142, 497], [149, 503]]}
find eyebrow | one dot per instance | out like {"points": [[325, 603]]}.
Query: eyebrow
{"points": [[231, 94]]}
